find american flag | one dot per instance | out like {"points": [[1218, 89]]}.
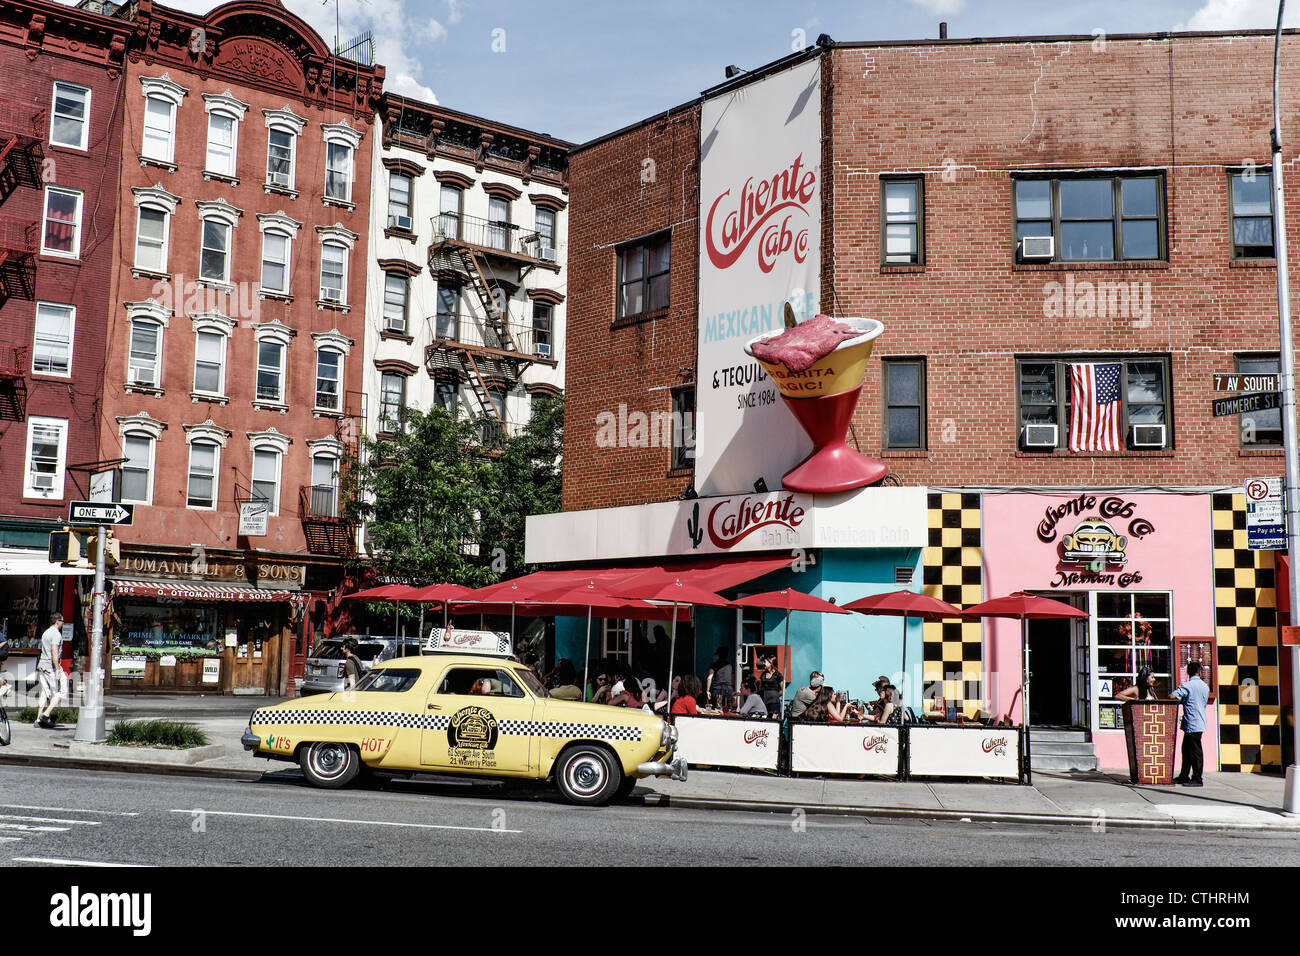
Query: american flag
{"points": [[1094, 415]]}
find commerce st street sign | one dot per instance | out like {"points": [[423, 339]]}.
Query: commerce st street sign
{"points": [[100, 512], [1260, 401]]}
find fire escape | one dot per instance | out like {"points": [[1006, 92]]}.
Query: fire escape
{"points": [[321, 505], [475, 251], [22, 127]]}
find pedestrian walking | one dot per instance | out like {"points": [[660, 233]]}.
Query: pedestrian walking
{"points": [[351, 664], [1194, 694], [49, 671]]}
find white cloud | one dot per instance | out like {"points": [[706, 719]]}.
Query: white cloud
{"points": [[940, 7], [435, 31], [1238, 15], [454, 11]]}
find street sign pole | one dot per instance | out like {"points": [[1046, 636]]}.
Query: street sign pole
{"points": [[90, 716], [1290, 442]]}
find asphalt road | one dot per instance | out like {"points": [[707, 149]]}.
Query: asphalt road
{"points": [[62, 817]]}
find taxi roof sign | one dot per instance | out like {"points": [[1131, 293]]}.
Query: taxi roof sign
{"points": [[455, 640]]}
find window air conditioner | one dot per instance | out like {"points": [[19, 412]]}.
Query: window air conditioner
{"points": [[1040, 436], [331, 295], [278, 179], [1148, 436], [399, 222], [1037, 247], [141, 375], [542, 348], [547, 253], [43, 481]]}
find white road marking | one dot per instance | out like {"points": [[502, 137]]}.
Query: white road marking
{"points": [[107, 813], [28, 828], [79, 823], [55, 861], [368, 823], [11, 839]]}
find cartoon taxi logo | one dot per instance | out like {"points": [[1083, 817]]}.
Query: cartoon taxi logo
{"points": [[472, 728], [1094, 542]]}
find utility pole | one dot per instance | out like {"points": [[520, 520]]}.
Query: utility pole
{"points": [[1290, 442], [90, 716]]}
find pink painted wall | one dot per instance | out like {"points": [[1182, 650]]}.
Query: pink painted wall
{"points": [[1176, 556]]}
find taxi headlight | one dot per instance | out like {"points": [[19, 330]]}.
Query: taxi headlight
{"points": [[668, 736]]}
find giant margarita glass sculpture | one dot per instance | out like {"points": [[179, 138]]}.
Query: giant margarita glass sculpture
{"points": [[820, 385]]}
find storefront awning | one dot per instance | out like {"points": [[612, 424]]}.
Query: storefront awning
{"points": [[126, 587], [22, 562]]}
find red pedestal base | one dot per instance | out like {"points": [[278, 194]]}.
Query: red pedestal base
{"points": [[833, 465]]}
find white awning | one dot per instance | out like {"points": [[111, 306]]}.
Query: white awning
{"points": [[23, 562]]}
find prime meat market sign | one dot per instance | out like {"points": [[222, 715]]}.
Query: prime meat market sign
{"points": [[1095, 549]]}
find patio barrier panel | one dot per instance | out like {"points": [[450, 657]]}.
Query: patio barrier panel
{"points": [[846, 748], [729, 741], [973, 751]]}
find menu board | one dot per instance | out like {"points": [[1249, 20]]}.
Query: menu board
{"points": [[1201, 650]]}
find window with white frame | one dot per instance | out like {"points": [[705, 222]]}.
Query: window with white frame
{"points": [[447, 320], [214, 255], [201, 487], [151, 239], [392, 398], [61, 232], [144, 362], [137, 470], [221, 144], [545, 224], [449, 210], [338, 172], [162, 101], [281, 147], [210, 363], [395, 296], [400, 215], [275, 261], [70, 116], [270, 370], [325, 486], [542, 314], [52, 345], [333, 272], [47, 442], [616, 640], [329, 379], [498, 222], [266, 477]]}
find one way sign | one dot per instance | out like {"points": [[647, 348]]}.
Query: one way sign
{"points": [[100, 512]]}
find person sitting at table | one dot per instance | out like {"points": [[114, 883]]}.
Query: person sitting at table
{"points": [[686, 696], [565, 681], [804, 696], [751, 704], [626, 693], [600, 685], [818, 710], [837, 708]]}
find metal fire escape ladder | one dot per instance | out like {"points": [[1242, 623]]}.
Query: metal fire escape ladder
{"points": [[478, 386], [469, 262]]}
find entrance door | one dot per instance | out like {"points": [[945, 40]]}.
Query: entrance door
{"points": [[1051, 672], [258, 638], [1082, 674]]}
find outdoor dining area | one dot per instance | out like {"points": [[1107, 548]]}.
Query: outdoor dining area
{"points": [[932, 740]]}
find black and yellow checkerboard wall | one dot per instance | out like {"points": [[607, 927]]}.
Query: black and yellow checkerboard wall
{"points": [[1245, 619], [952, 571]]}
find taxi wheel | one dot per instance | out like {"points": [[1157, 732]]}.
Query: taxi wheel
{"points": [[587, 774], [329, 765], [625, 788]]}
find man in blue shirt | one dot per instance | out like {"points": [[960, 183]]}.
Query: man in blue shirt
{"points": [[1194, 694]]}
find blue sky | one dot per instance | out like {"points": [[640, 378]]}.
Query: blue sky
{"points": [[579, 69]]}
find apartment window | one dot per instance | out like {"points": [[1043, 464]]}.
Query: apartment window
{"points": [[209, 363], [338, 172], [904, 393], [325, 486], [449, 210], [266, 477], [201, 490], [69, 116], [445, 390], [395, 295], [683, 427], [399, 202], [545, 223], [221, 144], [392, 399], [1095, 404], [144, 362], [902, 220], [1108, 218], [62, 228], [329, 376], [270, 371], [448, 311], [1262, 429], [542, 314], [280, 149], [333, 272], [275, 261], [137, 470], [52, 346], [47, 440], [214, 257], [159, 129], [151, 239], [498, 222], [1252, 214], [643, 276]]}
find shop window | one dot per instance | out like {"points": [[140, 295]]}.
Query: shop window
{"points": [[69, 116], [47, 441], [904, 394], [902, 221], [1089, 218], [154, 628], [61, 232], [1133, 632], [1084, 404], [643, 276], [1262, 429], [52, 351], [1252, 213]]}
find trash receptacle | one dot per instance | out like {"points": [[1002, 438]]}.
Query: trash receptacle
{"points": [[1151, 731]]}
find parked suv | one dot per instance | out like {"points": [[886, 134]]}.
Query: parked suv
{"points": [[324, 673]]}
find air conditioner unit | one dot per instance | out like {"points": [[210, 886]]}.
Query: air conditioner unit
{"points": [[278, 179], [331, 295], [1037, 247], [1148, 436], [548, 253], [141, 375], [43, 481], [542, 348], [399, 222], [1040, 436]]}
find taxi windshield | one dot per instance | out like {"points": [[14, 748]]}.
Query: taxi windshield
{"points": [[530, 680], [393, 680]]}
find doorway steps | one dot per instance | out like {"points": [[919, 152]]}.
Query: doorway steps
{"points": [[1061, 748]]}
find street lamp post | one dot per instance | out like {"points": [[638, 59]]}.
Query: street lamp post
{"points": [[1290, 442]]}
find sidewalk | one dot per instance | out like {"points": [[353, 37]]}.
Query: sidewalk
{"points": [[1232, 801]]}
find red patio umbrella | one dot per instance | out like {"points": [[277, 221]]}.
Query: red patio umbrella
{"points": [[385, 592], [904, 604], [1024, 607], [788, 599], [439, 594], [678, 593]]}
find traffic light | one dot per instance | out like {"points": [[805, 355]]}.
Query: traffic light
{"points": [[65, 547], [112, 550]]}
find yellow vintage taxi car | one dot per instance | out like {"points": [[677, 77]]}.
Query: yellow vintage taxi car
{"points": [[447, 713]]}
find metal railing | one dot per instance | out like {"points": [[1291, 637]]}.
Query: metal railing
{"points": [[21, 119], [467, 329], [13, 362], [505, 237], [18, 235], [318, 501]]}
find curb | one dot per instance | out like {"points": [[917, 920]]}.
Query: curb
{"points": [[79, 763], [956, 816]]}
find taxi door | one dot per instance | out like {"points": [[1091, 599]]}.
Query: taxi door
{"points": [[479, 722]]}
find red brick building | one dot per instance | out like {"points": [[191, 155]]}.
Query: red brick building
{"points": [[234, 338], [1136, 167], [59, 157]]}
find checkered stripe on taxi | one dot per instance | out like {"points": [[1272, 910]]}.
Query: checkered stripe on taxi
{"points": [[397, 718]]}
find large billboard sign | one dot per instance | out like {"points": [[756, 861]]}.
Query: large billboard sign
{"points": [[760, 247]]}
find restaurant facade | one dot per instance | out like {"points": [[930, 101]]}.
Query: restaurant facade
{"points": [[1011, 245]]}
